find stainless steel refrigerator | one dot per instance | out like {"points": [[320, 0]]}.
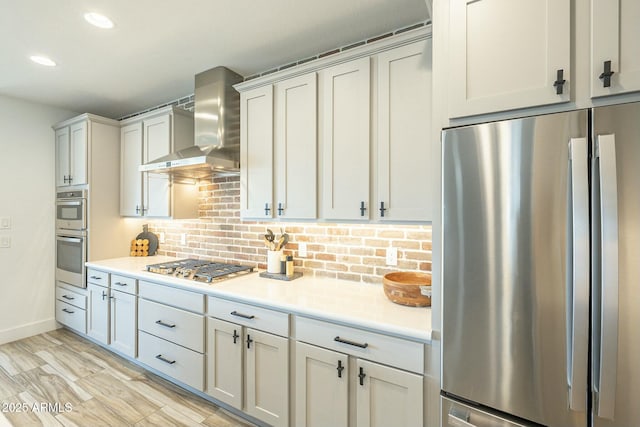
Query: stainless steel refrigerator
{"points": [[541, 271]]}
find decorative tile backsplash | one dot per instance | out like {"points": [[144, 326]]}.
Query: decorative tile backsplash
{"points": [[346, 251]]}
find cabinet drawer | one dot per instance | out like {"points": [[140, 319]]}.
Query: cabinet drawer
{"points": [[124, 284], [98, 277], [71, 316], [191, 301], [173, 324], [75, 299], [178, 362], [398, 352], [259, 318]]}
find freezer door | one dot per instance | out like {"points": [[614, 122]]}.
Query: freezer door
{"points": [[509, 340], [616, 266]]}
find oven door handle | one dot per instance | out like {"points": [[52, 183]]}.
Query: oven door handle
{"points": [[69, 239], [69, 202]]}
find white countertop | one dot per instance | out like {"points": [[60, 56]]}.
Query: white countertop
{"points": [[351, 303]]}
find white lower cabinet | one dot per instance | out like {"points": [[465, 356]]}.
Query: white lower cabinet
{"points": [[380, 395], [183, 364], [386, 396], [98, 312], [71, 309], [111, 313], [171, 332], [322, 387], [248, 368], [123, 311]]}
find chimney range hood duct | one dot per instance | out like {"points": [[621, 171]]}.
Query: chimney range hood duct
{"points": [[217, 130]]}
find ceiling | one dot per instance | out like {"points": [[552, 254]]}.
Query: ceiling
{"points": [[157, 46]]}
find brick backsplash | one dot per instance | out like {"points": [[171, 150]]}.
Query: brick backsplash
{"points": [[346, 251]]}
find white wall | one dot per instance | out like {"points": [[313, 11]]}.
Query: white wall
{"points": [[27, 193]]}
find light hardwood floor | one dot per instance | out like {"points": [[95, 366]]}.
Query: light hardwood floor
{"points": [[61, 379]]}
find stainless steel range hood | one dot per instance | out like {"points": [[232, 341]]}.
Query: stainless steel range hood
{"points": [[217, 130]]}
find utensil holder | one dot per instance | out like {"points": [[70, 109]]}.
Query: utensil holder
{"points": [[273, 261]]}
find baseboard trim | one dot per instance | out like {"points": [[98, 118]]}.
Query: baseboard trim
{"points": [[28, 330]]}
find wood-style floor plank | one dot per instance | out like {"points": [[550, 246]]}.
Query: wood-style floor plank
{"points": [[61, 379]]}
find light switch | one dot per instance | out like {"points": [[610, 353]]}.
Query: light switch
{"points": [[392, 256], [183, 239], [5, 223], [5, 242], [161, 237], [302, 249]]}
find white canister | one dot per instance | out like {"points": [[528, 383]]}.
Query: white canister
{"points": [[273, 262]]}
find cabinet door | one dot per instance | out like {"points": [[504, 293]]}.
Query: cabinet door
{"points": [[130, 176], [78, 153], [404, 133], [506, 54], [62, 157], [156, 187], [322, 387], [387, 396], [614, 36], [98, 315], [123, 322], [224, 361], [267, 382], [256, 153], [295, 148], [345, 140]]}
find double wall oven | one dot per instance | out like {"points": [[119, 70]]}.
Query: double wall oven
{"points": [[71, 237]]}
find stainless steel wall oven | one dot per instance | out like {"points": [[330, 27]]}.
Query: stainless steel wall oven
{"points": [[71, 237]]}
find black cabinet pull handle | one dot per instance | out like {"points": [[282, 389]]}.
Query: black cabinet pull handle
{"points": [[137, 209], [249, 341], [70, 179], [68, 297], [68, 311], [280, 209], [382, 209], [244, 316], [104, 294], [166, 325], [170, 362], [96, 277], [235, 336], [560, 81], [267, 209], [66, 178], [120, 284], [606, 74], [362, 209], [340, 368], [361, 375], [353, 343]]}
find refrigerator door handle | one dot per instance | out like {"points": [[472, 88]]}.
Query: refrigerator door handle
{"points": [[607, 375], [578, 318]]}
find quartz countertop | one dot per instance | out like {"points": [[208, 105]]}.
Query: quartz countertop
{"points": [[341, 301]]}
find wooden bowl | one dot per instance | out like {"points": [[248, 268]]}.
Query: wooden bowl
{"points": [[405, 288]]}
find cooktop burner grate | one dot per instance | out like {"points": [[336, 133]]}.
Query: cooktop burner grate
{"points": [[199, 270]]}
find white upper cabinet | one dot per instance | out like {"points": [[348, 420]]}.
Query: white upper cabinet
{"points": [[256, 153], [508, 54], [71, 154], [615, 57], [130, 176], [404, 129], [346, 145], [295, 165], [156, 187], [144, 139]]}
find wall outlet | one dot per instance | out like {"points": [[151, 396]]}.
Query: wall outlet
{"points": [[183, 239], [302, 250], [161, 237], [5, 223], [5, 242], [392, 256]]}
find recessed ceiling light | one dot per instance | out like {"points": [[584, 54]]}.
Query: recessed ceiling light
{"points": [[98, 20], [43, 60]]}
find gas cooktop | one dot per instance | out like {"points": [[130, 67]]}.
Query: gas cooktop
{"points": [[199, 270]]}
